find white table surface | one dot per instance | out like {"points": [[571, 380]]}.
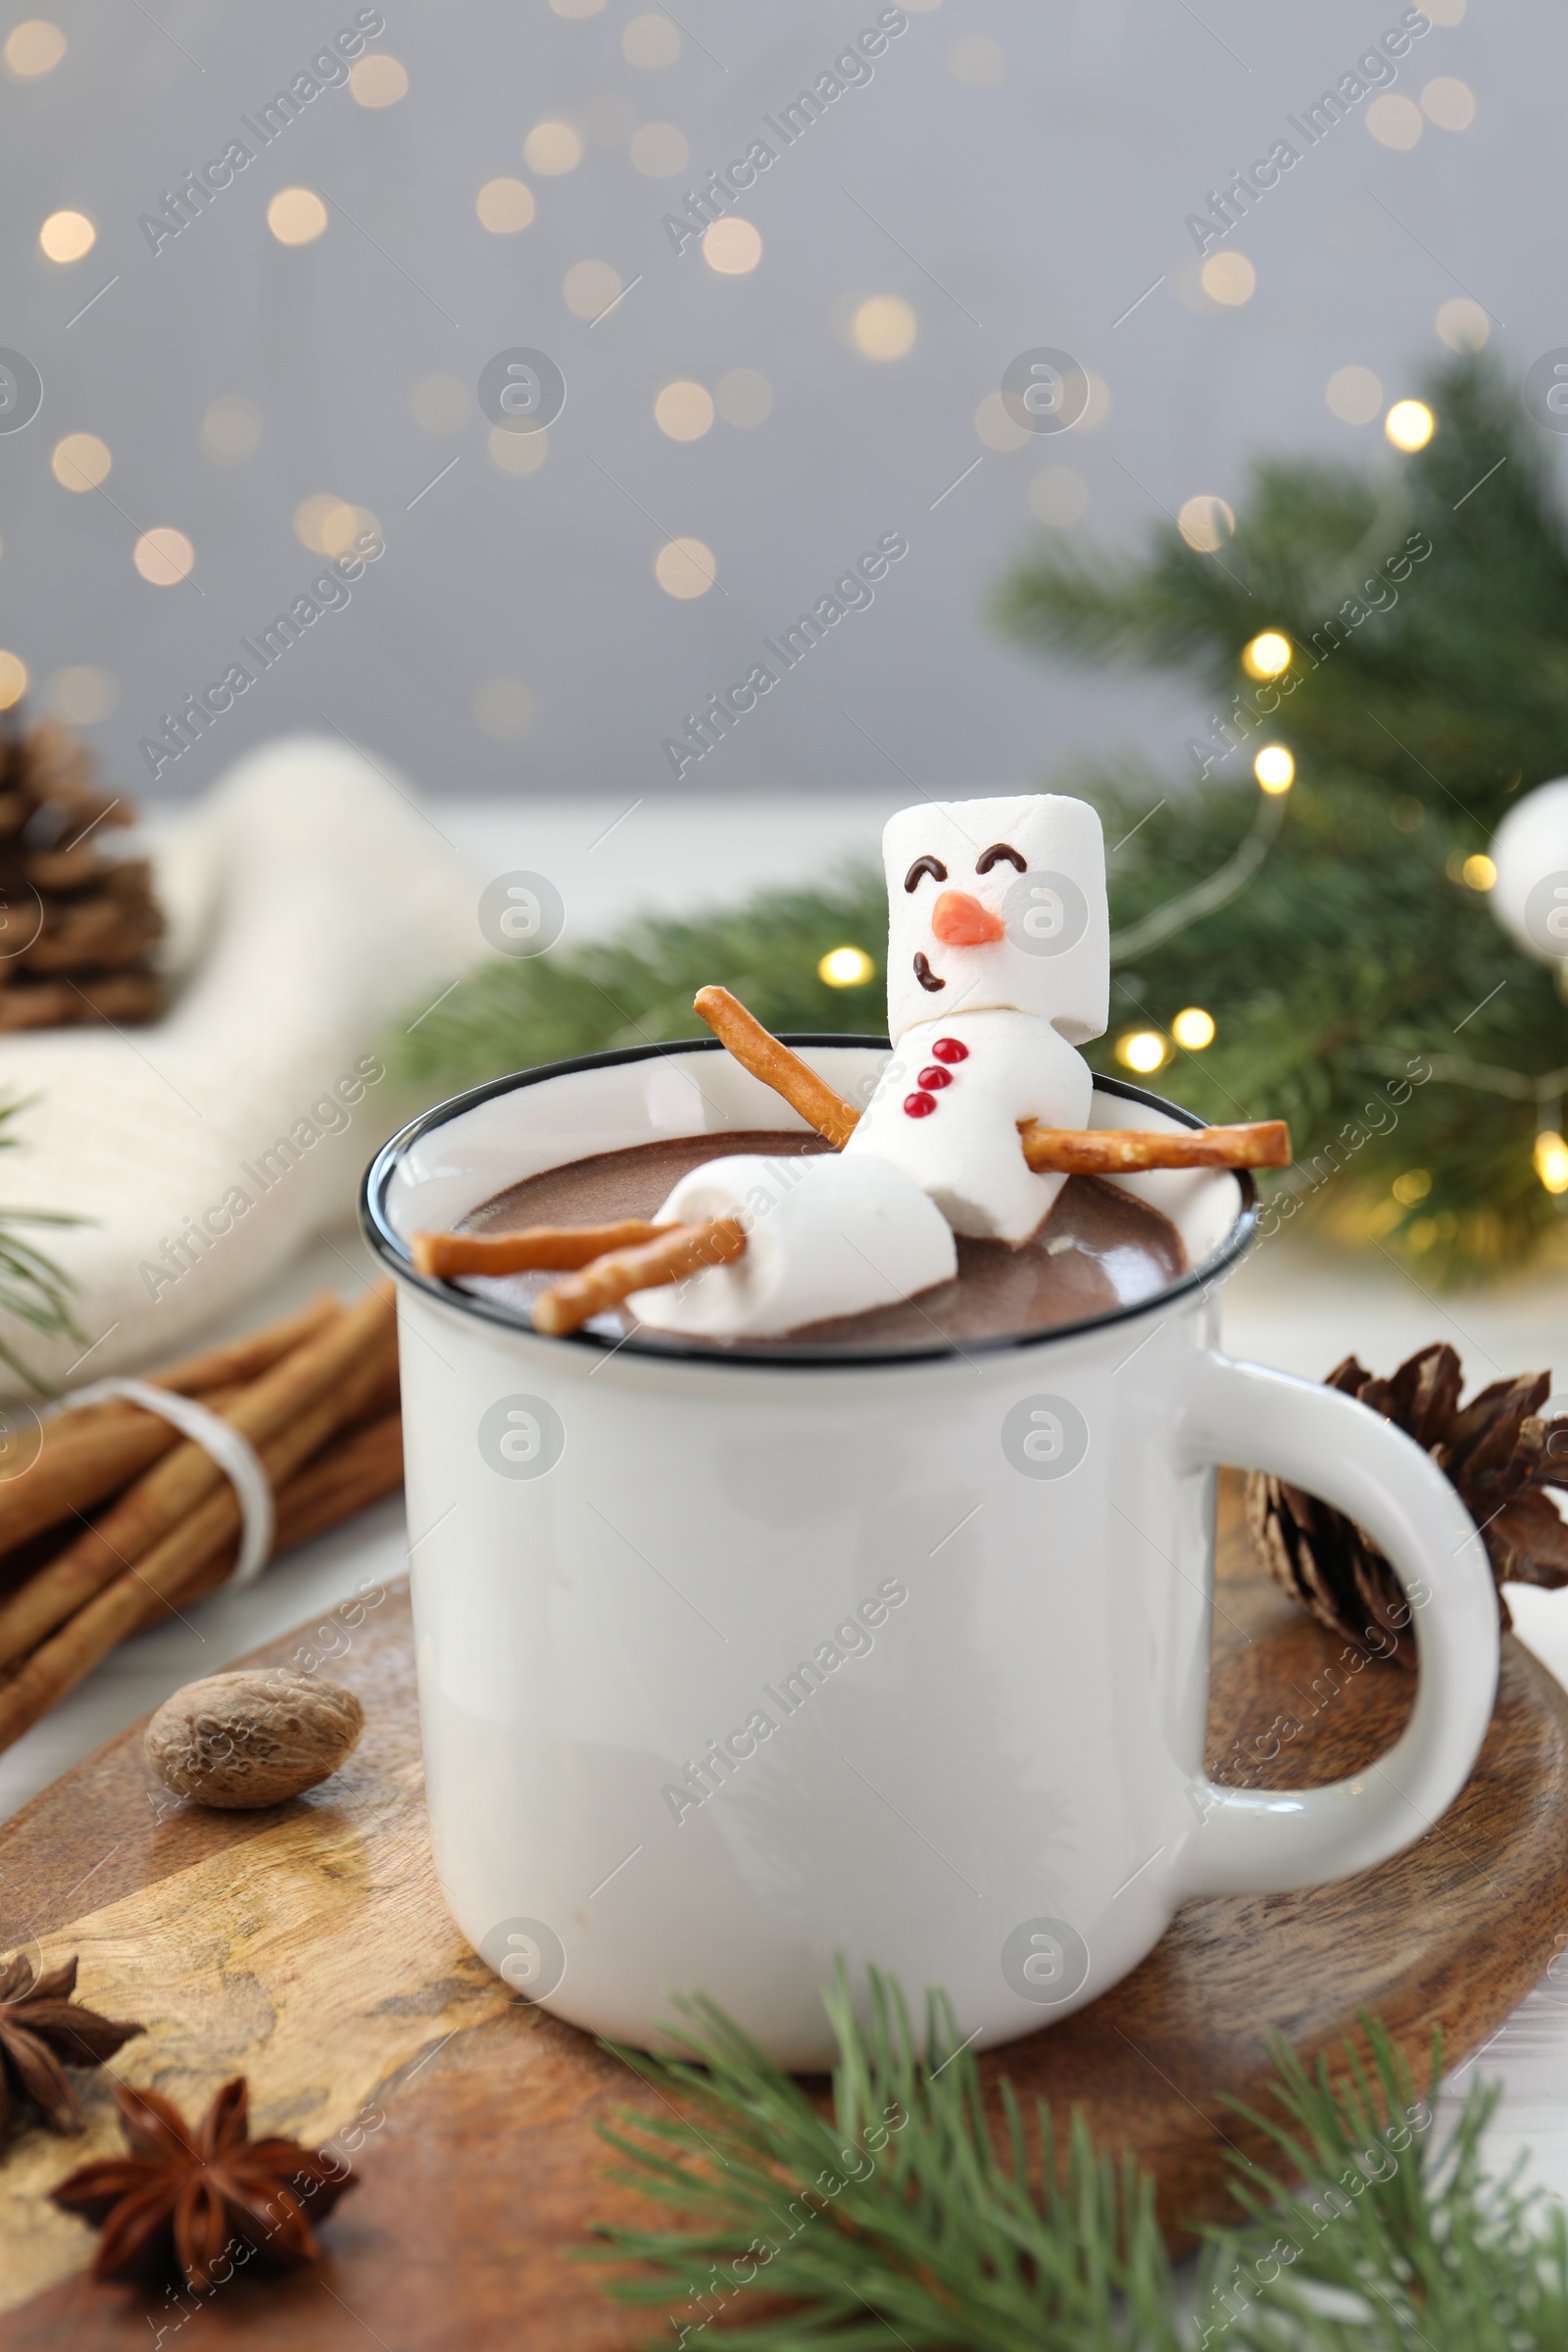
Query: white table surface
{"points": [[1294, 1305]]}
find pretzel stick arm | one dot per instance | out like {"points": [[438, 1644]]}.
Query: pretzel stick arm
{"points": [[678, 1253], [1112, 1152], [756, 1050], [555, 1249]]}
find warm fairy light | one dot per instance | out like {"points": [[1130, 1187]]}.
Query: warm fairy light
{"points": [[1057, 496], [591, 288], [845, 967], [884, 327], [33, 47], [1267, 655], [82, 694], [329, 525], [440, 404], [659, 151], [685, 411], [1229, 277], [1462, 324], [1354, 395], [684, 567], [311, 516], [1413, 1186], [1409, 424], [1205, 524], [296, 216], [1141, 1050], [996, 428], [1550, 1156], [1193, 1029], [1479, 872], [517, 453], [1449, 103], [13, 679], [650, 42], [163, 556], [732, 247], [67, 236], [379, 80], [80, 462], [552, 148], [1274, 768], [504, 206], [1394, 122], [230, 430]]}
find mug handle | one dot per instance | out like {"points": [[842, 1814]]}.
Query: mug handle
{"points": [[1264, 1841]]}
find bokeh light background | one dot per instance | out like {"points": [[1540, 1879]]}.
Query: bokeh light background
{"points": [[743, 419]]}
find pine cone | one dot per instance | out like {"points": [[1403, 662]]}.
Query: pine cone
{"points": [[78, 927], [1500, 1456]]}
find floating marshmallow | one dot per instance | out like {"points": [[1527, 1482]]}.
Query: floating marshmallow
{"points": [[948, 1109], [826, 1236], [997, 904]]}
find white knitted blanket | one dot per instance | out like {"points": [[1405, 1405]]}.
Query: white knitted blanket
{"points": [[311, 904]]}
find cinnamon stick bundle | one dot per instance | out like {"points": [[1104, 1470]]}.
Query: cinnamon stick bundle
{"points": [[94, 1450], [187, 1475], [321, 1408]]}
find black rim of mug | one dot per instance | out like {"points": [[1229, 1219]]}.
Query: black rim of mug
{"points": [[659, 1346]]}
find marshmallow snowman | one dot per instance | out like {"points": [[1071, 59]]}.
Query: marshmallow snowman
{"points": [[998, 967]]}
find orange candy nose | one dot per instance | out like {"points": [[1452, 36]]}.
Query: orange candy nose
{"points": [[960, 921]]}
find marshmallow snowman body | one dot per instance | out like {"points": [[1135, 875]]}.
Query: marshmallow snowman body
{"points": [[825, 1236], [948, 1109], [997, 969], [998, 965]]}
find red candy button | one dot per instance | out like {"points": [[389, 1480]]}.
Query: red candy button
{"points": [[949, 1049], [919, 1106], [935, 1077]]}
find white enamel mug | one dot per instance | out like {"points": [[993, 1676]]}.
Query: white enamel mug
{"points": [[732, 1664]]}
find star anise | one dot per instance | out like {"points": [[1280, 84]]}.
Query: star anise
{"points": [[39, 2026], [202, 2203], [1500, 1455]]}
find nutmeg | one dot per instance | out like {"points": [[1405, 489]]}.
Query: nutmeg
{"points": [[254, 1737]]}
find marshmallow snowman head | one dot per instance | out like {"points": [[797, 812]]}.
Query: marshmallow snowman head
{"points": [[999, 903]]}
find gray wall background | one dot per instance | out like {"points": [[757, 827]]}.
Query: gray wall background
{"points": [[1031, 211]]}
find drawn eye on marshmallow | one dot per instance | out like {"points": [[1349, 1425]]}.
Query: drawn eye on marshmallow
{"points": [[925, 865]]}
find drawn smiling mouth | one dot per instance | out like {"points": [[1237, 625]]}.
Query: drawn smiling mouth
{"points": [[925, 975]]}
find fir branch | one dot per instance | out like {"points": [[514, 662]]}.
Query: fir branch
{"points": [[899, 2212], [638, 987], [895, 2211], [1388, 2245], [33, 1287], [1415, 720]]}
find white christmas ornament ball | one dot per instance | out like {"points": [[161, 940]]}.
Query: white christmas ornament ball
{"points": [[1529, 897]]}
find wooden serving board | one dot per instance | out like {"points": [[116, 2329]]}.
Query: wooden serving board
{"points": [[307, 1947]]}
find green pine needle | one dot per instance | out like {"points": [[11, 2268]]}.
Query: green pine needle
{"points": [[33, 1288], [897, 2212]]}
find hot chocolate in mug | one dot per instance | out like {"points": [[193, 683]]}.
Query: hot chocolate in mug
{"points": [[732, 1662]]}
